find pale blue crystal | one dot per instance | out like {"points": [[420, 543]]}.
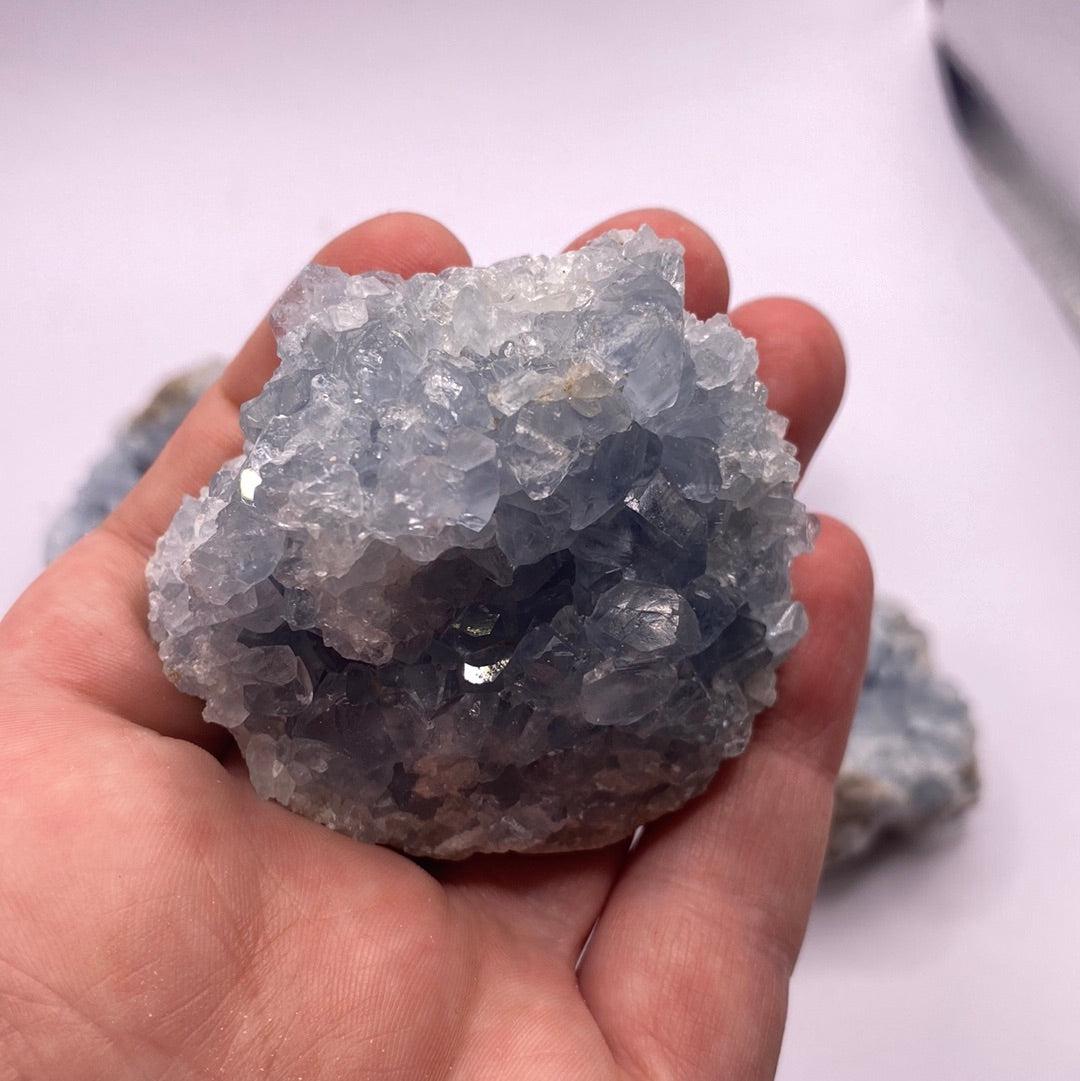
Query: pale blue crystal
{"points": [[910, 760], [518, 527]]}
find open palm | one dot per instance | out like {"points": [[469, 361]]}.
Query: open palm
{"points": [[159, 921]]}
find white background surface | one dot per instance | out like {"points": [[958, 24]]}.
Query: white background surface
{"points": [[163, 177]]}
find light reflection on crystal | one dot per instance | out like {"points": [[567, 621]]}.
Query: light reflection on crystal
{"points": [[249, 481], [485, 673]]}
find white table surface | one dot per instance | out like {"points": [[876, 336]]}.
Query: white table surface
{"points": [[163, 177]]}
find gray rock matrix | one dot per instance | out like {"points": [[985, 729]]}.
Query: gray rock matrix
{"points": [[505, 564], [910, 761]]}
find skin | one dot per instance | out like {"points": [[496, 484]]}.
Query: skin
{"points": [[158, 920]]}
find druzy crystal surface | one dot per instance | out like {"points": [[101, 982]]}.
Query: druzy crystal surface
{"points": [[505, 562]]}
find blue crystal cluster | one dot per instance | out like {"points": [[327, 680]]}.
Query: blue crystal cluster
{"points": [[505, 564]]}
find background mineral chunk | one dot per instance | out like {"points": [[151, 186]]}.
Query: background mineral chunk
{"points": [[133, 450], [505, 562], [910, 761]]}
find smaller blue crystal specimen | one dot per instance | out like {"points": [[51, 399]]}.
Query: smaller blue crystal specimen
{"points": [[132, 453], [910, 761]]}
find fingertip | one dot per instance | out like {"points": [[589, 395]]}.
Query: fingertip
{"points": [[851, 575], [819, 685], [836, 577], [401, 242], [801, 361], [708, 283]]}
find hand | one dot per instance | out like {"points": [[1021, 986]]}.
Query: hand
{"points": [[158, 920]]}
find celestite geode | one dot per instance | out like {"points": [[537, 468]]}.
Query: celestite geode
{"points": [[505, 562]]}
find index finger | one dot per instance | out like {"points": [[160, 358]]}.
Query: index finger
{"points": [[708, 283], [404, 244]]}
